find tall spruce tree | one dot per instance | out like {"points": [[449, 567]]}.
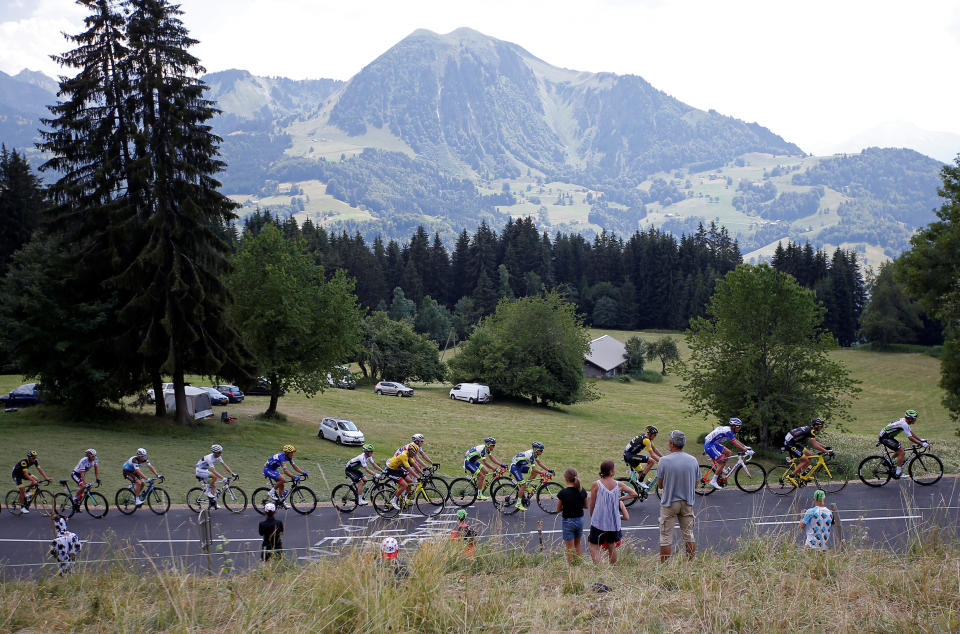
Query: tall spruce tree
{"points": [[22, 200]]}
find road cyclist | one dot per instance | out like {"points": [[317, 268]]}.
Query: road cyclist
{"points": [[888, 438], [479, 461], [400, 468], [634, 458], [132, 472], [713, 447], [89, 461], [353, 471], [21, 474], [793, 446], [208, 475], [525, 466], [419, 458], [272, 468]]}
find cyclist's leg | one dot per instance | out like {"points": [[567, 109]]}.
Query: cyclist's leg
{"points": [[901, 455], [78, 478]]}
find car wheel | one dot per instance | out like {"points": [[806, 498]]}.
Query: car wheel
{"points": [[320, 434], [339, 442], [452, 397], [378, 392], [398, 393], [471, 400]]}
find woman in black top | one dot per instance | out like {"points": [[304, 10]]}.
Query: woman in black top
{"points": [[571, 502], [271, 530]]}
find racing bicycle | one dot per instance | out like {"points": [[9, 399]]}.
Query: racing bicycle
{"points": [[506, 493], [633, 481], [923, 467], [827, 475], [232, 498], [40, 499], [345, 497], [464, 491], [748, 476], [302, 499], [428, 500], [95, 503], [155, 497]]}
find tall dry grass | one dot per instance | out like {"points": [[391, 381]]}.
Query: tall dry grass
{"points": [[764, 586]]}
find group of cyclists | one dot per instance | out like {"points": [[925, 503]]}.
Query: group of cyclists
{"points": [[409, 461]]}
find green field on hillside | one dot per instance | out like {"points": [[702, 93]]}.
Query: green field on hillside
{"points": [[580, 435]]}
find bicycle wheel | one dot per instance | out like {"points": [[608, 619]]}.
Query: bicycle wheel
{"points": [[505, 498], [344, 498], [63, 505], [158, 501], [196, 499], [750, 477], [463, 492], [628, 501], [259, 498], [302, 499], [777, 481], [96, 505], [12, 501], [439, 484], [926, 469], [42, 502], [125, 501], [380, 500], [703, 486], [832, 482], [547, 497], [429, 501], [234, 499], [874, 471]]}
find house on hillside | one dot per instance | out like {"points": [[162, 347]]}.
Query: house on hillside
{"points": [[607, 357]]}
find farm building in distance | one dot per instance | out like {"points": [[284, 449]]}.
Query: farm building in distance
{"points": [[607, 357]]}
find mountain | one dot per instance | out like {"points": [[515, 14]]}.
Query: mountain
{"points": [[23, 101], [943, 146]]}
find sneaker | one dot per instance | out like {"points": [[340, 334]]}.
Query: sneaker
{"points": [[361, 502], [716, 485]]}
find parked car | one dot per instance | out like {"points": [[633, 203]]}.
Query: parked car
{"points": [[261, 387], [232, 392], [471, 393], [392, 389], [341, 377], [26, 394], [151, 397], [341, 431], [216, 397]]}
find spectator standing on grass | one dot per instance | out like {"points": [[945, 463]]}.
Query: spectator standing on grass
{"points": [[818, 522], [677, 474], [605, 513], [271, 529], [65, 545], [571, 502]]}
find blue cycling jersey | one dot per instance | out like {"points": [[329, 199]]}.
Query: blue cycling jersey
{"points": [[719, 435], [274, 461]]}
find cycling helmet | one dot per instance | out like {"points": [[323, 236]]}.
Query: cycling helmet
{"points": [[216, 448], [389, 545], [91, 452], [489, 440], [142, 452], [652, 430], [817, 422], [538, 445], [910, 413], [736, 421], [289, 449], [368, 447], [32, 453], [417, 438], [412, 448], [461, 514]]}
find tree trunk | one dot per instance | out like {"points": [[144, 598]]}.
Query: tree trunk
{"points": [[363, 368], [274, 397], [181, 416], [160, 403]]}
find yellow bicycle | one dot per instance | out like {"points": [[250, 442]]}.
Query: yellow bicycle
{"points": [[428, 500], [826, 475]]}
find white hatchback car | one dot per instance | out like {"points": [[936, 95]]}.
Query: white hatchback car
{"points": [[341, 431]]}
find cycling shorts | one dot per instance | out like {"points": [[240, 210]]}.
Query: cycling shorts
{"points": [[202, 474], [891, 443], [355, 475], [396, 474], [634, 459], [19, 477], [519, 471], [130, 475], [78, 477], [714, 451], [470, 466], [273, 474]]}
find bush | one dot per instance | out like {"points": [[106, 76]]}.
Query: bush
{"points": [[648, 376]]}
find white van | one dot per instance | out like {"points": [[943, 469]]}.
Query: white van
{"points": [[471, 392]]}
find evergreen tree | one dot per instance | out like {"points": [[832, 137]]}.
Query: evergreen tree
{"points": [[485, 294], [401, 308], [22, 202]]}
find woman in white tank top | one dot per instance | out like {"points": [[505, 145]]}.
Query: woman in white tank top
{"points": [[605, 512]]}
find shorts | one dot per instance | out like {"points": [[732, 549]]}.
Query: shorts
{"points": [[794, 450], [670, 515], [602, 538], [355, 475], [714, 451], [273, 474], [634, 459], [891, 443], [202, 474], [572, 529], [130, 475], [471, 466], [396, 474], [78, 477], [519, 472], [19, 477]]}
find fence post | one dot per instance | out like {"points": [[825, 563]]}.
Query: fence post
{"points": [[206, 535], [838, 526], [540, 533]]}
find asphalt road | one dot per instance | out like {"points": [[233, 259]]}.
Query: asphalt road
{"points": [[885, 518]]}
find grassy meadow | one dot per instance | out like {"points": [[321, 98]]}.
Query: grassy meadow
{"points": [[579, 435]]}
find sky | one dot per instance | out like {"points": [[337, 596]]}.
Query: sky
{"points": [[816, 72]]}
